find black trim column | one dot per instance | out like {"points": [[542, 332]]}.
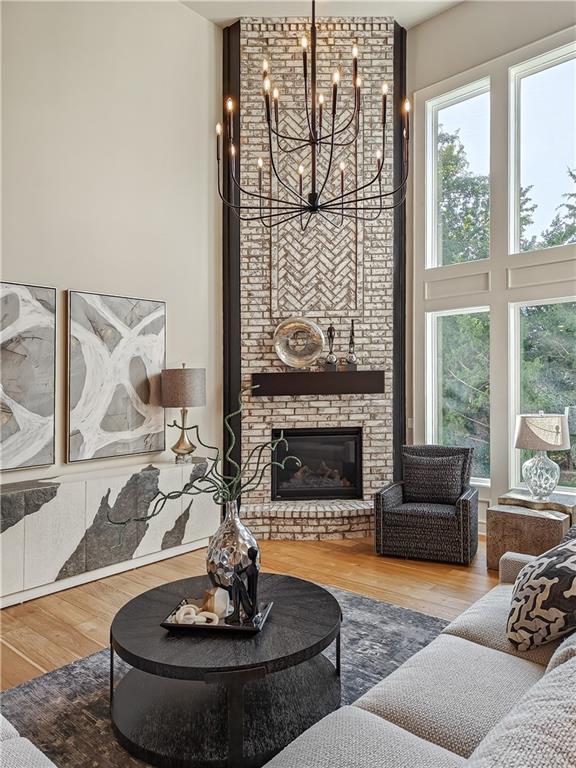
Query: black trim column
{"points": [[399, 292], [232, 376]]}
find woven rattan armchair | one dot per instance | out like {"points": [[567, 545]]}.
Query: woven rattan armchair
{"points": [[443, 528]]}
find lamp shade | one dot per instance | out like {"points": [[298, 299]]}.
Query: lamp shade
{"points": [[183, 387], [542, 432]]}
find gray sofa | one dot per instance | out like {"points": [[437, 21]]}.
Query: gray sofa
{"points": [[16, 752], [468, 699]]}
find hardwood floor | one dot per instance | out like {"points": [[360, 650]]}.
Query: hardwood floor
{"points": [[47, 633]]}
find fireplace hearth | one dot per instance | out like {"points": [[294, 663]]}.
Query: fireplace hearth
{"points": [[331, 465]]}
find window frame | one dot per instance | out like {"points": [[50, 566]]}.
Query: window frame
{"points": [[516, 74], [514, 355], [433, 106], [432, 425], [496, 282]]}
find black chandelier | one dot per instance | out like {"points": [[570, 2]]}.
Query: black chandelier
{"points": [[364, 202]]}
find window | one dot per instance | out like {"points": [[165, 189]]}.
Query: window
{"points": [[458, 186], [544, 351], [543, 151], [459, 382], [494, 189]]}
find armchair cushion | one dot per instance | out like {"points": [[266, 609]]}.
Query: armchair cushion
{"points": [[432, 479], [411, 512]]}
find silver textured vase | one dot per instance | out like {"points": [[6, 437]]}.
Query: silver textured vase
{"points": [[228, 548]]}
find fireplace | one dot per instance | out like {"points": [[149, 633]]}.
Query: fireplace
{"points": [[331, 464]]}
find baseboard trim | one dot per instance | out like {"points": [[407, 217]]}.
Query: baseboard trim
{"points": [[99, 573]]}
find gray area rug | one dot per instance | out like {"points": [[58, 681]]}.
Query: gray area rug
{"points": [[65, 713]]}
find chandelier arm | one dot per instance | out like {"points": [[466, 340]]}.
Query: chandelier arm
{"points": [[286, 136], [368, 208], [329, 220], [341, 129], [240, 188], [264, 217], [338, 200], [276, 174], [354, 207], [310, 132], [367, 185], [352, 140], [288, 206], [330, 158], [279, 223]]}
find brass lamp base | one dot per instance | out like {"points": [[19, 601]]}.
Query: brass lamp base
{"points": [[183, 448]]}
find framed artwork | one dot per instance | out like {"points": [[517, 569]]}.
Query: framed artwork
{"points": [[27, 375], [116, 352]]}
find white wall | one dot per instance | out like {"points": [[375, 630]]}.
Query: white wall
{"points": [[463, 37], [474, 32], [109, 174]]}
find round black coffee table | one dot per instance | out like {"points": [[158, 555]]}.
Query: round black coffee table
{"points": [[229, 700]]}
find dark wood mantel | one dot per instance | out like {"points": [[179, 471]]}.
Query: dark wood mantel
{"points": [[318, 383]]}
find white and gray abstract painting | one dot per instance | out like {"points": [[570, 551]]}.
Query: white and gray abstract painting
{"points": [[116, 354], [27, 372]]}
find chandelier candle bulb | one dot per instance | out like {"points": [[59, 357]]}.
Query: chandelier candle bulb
{"points": [[384, 100], [230, 116], [407, 119], [354, 64], [265, 69]]}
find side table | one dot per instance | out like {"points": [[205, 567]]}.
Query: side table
{"points": [[519, 529], [557, 502]]}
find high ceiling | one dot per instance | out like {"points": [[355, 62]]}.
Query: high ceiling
{"points": [[408, 13]]}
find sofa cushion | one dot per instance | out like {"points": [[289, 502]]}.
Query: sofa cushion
{"points": [[543, 599], [565, 651], [452, 692], [353, 738], [7, 730], [21, 753], [485, 623], [432, 479], [540, 731]]}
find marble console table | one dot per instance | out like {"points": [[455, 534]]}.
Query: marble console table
{"points": [[54, 533]]}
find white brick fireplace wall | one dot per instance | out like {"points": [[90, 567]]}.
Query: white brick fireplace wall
{"points": [[326, 274]]}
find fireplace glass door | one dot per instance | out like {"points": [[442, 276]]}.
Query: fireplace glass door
{"points": [[331, 464]]}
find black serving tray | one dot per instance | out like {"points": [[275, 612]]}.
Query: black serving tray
{"points": [[255, 625]]}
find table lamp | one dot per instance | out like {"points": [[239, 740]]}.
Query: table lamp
{"points": [[183, 388], [541, 432]]}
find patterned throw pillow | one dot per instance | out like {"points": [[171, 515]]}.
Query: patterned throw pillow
{"points": [[544, 598], [432, 479]]}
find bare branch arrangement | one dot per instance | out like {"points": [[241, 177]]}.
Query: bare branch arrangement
{"points": [[221, 487]]}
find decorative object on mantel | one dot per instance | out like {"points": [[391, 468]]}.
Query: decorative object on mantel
{"points": [[331, 359], [233, 557], [364, 200], [28, 373], [542, 432], [116, 352], [183, 388], [351, 359], [298, 342]]}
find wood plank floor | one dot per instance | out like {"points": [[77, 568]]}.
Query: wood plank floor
{"points": [[47, 633]]}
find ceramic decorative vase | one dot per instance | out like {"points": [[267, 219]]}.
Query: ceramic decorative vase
{"points": [[228, 552]]}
